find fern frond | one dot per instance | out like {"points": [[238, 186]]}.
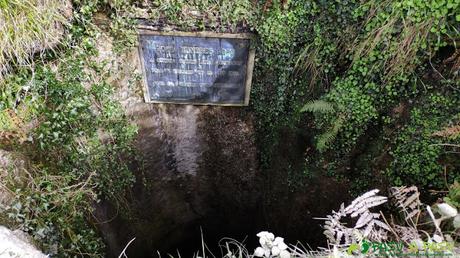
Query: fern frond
{"points": [[407, 199], [324, 140], [367, 220], [362, 204], [318, 106], [329, 136], [368, 225], [406, 234]]}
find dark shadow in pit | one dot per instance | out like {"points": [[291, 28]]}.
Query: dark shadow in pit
{"points": [[167, 207], [198, 171], [228, 197]]}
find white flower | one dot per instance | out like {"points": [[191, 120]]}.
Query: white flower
{"points": [[282, 246], [270, 236], [456, 221], [336, 253], [265, 239], [271, 247], [259, 252], [263, 242], [285, 254], [266, 235], [275, 251], [262, 233], [437, 238], [419, 243], [446, 210], [278, 240]]}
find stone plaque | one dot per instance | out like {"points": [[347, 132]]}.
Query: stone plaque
{"points": [[196, 68]]}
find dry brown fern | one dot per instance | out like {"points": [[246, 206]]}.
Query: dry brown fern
{"points": [[14, 132], [449, 132], [406, 234], [408, 200]]}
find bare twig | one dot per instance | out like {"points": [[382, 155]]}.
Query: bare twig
{"points": [[123, 254]]}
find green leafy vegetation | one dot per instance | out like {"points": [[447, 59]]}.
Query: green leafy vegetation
{"points": [[321, 107], [385, 58], [385, 68], [453, 196], [419, 157], [220, 16], [79, 145], [373, 85]]}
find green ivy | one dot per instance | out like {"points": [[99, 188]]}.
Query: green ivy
{"points": [[81, 143], [419, 157], [365, 58]]}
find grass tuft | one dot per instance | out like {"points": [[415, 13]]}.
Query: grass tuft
{"points": [[28, 27]]}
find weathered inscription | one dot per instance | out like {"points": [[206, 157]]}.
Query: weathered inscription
{"points": [[196, 70]]}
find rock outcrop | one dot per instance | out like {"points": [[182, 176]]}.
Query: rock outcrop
{"points": [[16, 244]]}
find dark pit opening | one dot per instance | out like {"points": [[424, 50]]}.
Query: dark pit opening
{"points": [[167, 214]]}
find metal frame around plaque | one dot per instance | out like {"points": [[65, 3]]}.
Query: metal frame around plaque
{"points": [[203, 34]]}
